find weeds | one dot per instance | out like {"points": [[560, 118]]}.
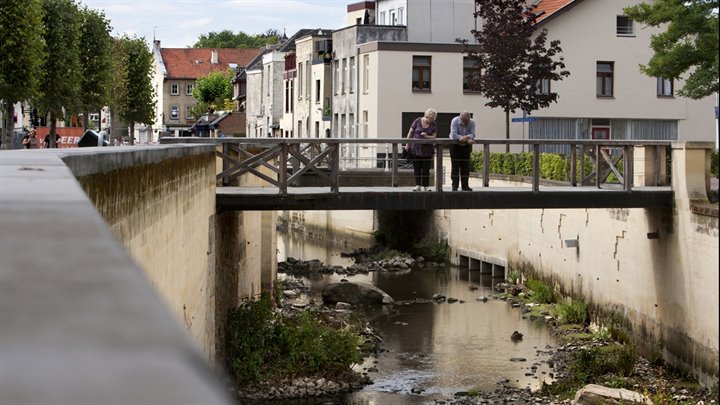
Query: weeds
{"points": [[541, 292], [571, 312], [264, 345]]}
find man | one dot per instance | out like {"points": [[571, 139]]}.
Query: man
{"points": [[462, 129]]}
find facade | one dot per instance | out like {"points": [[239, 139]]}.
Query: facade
{"points": [[441, 21], [606, 95], [307, 87], [175, 75]]}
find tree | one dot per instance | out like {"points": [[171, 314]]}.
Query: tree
{"points": [[62, 78], [134, 101], [689, 44], [511, 64], [227, 39], [214, 88], [22, 54], [95, 46]]}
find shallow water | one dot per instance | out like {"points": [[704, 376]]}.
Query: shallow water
{"points": [[434, 350]]}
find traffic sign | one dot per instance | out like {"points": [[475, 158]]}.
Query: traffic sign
{"points": [[526, 119]]}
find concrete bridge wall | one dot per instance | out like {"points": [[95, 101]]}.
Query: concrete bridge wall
{"points": [[666, 289]]}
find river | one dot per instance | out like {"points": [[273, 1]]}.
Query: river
{"points": [[433, 350]]}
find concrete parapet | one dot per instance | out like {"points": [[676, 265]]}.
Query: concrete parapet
{"points": [[80, 321]]}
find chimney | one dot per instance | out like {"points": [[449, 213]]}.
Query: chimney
{"points": [[214, 57]]}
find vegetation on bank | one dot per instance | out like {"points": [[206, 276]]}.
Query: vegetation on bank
{"points": [[605, 356], [265, 345]]}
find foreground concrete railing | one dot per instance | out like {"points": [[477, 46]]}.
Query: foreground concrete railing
{"points": [[79, 320], [290, 158]]}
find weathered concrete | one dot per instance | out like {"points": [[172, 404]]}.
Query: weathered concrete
{"points": [[664, 288], [80, 322]]}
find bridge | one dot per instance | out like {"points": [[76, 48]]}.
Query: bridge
{"points": [[365, 174]]}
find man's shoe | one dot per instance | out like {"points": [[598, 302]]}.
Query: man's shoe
{"points": [[417, 188], [466, 189], [454, 189]]}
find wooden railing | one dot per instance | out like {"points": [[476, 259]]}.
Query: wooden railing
{"points": [[287, 159]]}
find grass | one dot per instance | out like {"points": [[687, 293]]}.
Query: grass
{"points": [[572, 311], [541, 293]]}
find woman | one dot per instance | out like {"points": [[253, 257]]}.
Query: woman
{"points": [[422, 154]]}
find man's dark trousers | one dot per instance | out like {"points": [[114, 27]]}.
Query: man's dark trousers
{"points": [[460, 159]]}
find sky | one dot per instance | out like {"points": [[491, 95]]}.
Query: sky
{"points": [[179, 23]]}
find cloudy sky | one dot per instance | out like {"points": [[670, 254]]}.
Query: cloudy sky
{"points": [[179, 23]]}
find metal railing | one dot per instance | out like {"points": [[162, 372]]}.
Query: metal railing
{"points": [[282, 161]]}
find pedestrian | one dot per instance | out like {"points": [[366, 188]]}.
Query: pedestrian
{"points": [[30, 140], [46, 141], [422, 154], [462, 129]]}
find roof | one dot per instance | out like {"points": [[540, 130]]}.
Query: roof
{"points": [[191, 63], [548, 9]]}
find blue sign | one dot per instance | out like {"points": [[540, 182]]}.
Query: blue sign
{"points": [[526, 119]]}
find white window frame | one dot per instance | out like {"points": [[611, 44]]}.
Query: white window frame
{"points": [[189, 89], [351, 83], [366, 76], [174, 112], [174, 89]]}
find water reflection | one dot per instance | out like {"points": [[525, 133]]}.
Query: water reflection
{"points": [[437, 349]]}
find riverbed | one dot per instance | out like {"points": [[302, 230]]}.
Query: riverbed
{"points": [[433, 350]]}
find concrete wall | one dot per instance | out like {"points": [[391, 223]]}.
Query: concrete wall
{"points": [[666, 289], [162, 212], [80, 321]]}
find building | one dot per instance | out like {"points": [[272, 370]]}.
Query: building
{"points": [[606, 95], [429, 20], [175, 75]]}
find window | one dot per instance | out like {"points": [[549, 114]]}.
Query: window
{"points": [[471, 75], [300, 80], [625, 26], [351, 126], [365, 123], [343, 73], [308, 83], [400, 16], [317, 91], [604, 79], [382, 18], [267, 81], [366, 76], [189, 89], [664, 87], [188, 113], [543, 87], [392, 20], [174, 112], [421, 73], [351, 82], [336, 80], [174, 89]]}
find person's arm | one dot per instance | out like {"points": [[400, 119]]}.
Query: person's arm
{"points": [[471, 136], [410, 134]]}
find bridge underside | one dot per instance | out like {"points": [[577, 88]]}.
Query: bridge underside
{"points": [[403, 198]]}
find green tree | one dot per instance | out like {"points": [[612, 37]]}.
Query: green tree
{"points": [[228, 39], [62, 78], [22, 54], [689, 44], [214, 88], [513, 58], [135, 101], [95, 47]]}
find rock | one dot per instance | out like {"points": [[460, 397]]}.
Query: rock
{"points": [[473, 287], [438, 297], [343, 306], [356, 293], [516, 336], [482, 299], [289, 294], [593, 394], [451, 300], [518, 359]]}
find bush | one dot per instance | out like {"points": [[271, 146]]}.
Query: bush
{"points": [[264, 345], [433, 251], [714, 163]]}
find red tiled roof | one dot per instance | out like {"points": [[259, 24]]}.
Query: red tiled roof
{"points": [[548, 7], [191, 63]]}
